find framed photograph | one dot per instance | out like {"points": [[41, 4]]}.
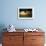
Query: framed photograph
{"points": [[25, 13]]}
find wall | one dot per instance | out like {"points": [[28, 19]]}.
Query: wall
{"points": [[8, 13]]}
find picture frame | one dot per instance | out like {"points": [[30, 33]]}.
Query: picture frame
{"points": [[25, 13]]}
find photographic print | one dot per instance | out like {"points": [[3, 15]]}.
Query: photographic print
{"points": [[25, 13]]}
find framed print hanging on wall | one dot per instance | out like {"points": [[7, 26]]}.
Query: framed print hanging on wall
{"points": [[25, 13]]}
